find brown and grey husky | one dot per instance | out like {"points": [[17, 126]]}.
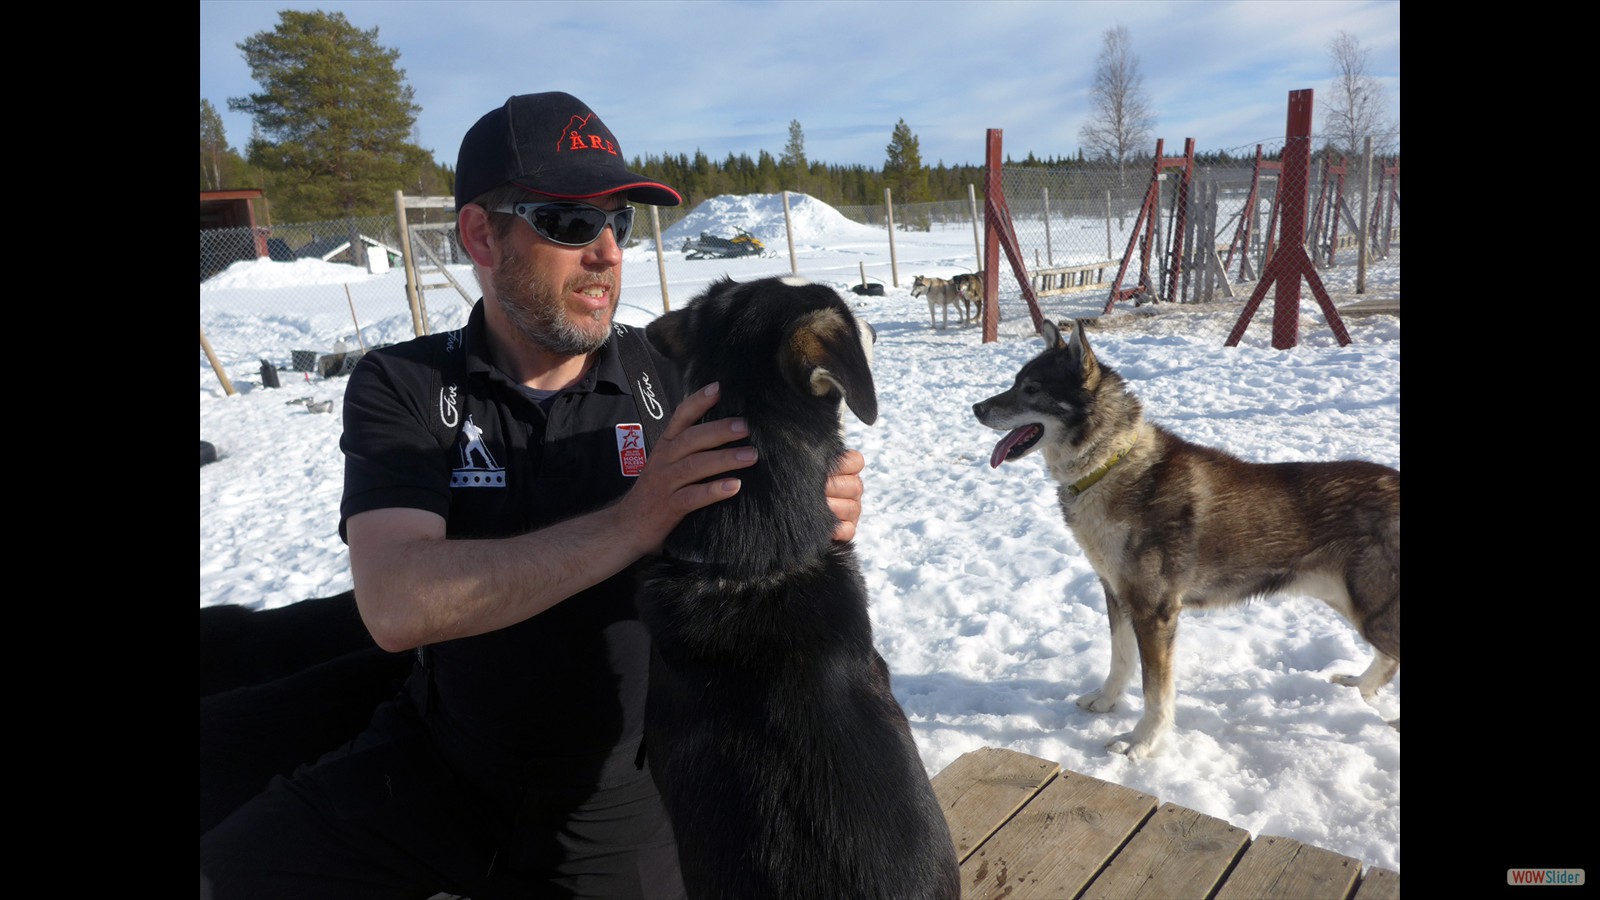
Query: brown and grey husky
{"points": [[1168, 524], [942, 293]]}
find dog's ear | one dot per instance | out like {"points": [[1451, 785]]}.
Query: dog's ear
{"points": [[1083, 356], [824, 354], [669, 332], [1052, 337]]}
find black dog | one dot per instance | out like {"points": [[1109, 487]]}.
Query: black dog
{"points": [[787, 766]]}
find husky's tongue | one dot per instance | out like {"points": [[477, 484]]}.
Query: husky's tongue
{"points": [[1025, 435]]}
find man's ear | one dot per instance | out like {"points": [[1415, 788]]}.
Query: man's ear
{"points": [[476, 235]]}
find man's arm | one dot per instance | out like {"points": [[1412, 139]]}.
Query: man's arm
{"points": [[414, 587]]}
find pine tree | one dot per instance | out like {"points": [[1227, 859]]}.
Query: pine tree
{"points": [[766, 173], [903, 172], [333, 114], [793, 161], [213, 147]]}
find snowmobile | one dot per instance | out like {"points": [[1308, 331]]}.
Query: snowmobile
{"points": [[709, 246]]}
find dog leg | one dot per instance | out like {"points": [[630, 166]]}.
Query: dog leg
{"points": [[1376, 676], [1375, 588], [1156, 630], [1124, 650]]}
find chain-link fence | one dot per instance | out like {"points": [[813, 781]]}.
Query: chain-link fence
{"points": [[1193, 242]]}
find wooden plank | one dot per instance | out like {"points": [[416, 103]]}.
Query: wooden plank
{"points": [[981, 789], [1280, 868], [1058, 842], [1379, 884], [1178, 853]]}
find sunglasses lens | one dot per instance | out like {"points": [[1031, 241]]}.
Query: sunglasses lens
{"points": [[622, 224], [578, 226], [573, 225]]}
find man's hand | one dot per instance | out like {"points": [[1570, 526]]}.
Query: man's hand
{"points": [[844, 490], [670, 486]]}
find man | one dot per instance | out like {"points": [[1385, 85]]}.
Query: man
{"points": [[511, 765]]}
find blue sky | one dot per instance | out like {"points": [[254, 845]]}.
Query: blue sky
{"points": [[727, 76]]}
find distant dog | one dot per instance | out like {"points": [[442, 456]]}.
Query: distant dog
{"points": [[787, 766], [1168, 524], [941, 293], [970, 284]]}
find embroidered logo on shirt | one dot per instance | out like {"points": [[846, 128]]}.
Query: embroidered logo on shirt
{"points": [[651, 404], [478, 468], [448, 413], [630, 448]]}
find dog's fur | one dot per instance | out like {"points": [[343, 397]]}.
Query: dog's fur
{"points": [[1171, 524], [787, 766], [970, 284], [941, 293]]}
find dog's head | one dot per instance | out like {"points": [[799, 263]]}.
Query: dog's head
{"points": [[919, 286], [1053, 398], [772, 341]]}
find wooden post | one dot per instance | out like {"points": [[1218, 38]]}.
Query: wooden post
{"points": [[1365, 228], [351, 300], [216, 366], [788, 232], [409, 261], [1108, 226], [977, 243], [894, 268], [661, 258], [1049, 254]]}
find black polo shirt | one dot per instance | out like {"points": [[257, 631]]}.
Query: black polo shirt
{"points": [[432, 424]]}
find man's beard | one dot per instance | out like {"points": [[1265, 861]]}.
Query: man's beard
{"points": [[535, 307]]}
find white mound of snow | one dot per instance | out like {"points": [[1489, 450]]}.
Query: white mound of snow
{"points": [[252, 274], [762, 215]]}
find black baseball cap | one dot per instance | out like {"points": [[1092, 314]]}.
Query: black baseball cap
{"points": [[549, 143]]}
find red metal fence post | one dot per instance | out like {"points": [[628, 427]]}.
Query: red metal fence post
{"points": [[991, 240], [1296, 182], [1290, 263]]}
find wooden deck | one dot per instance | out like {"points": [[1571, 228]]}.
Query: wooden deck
{"points": [[1025, 828]]}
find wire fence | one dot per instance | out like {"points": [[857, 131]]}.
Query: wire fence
{"points": [[1191, 243], [1186, 247]]}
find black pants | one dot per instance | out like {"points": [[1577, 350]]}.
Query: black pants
{"points": [[385, 817], [281, 687]]}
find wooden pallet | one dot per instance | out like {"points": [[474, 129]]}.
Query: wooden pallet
{"points": [[1026, 828], [1064, 279]]}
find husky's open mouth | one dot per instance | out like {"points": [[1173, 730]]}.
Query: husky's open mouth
{"points": [[1016, 444]]}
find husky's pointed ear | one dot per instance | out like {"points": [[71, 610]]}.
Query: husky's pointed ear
{"points": [[824, 354], [1052, 337], [669, 332], [1078, 343]]}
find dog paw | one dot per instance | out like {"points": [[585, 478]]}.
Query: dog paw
{"points": [[1097, 701], [1395, 723], [1134, 748], [1367, 693]]}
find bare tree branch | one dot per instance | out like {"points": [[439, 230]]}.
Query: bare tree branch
{"points": [[1356, 107], [1122, 122]]}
